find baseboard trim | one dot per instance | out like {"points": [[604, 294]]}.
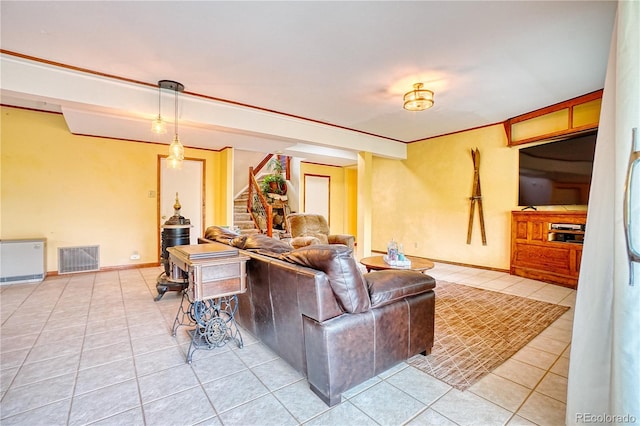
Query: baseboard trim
{"points": [[108, 268]]}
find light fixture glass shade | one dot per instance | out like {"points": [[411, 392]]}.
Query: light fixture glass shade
{"points": [[159, 126], [418, 99], [174, 163], [176, 150]]}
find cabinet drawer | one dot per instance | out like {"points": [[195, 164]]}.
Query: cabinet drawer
{"points": [[215, 289], [539, 257]]}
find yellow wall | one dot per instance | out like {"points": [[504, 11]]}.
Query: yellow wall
{"points": [[351, 200], [79, 190], [341, 193], [423, 202]]}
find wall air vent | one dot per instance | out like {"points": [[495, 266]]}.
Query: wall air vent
{"points": [[78, 259]]}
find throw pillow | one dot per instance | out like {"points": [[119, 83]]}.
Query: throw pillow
{"points": [[260, 241]]}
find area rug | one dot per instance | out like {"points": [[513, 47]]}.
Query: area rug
{"points": [[477, 330]]}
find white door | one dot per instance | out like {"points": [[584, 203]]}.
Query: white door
{"points": [[316, 195], [188, 182]]}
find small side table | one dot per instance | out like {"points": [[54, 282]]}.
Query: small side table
{"points": [[216, 275], [377, 263]]}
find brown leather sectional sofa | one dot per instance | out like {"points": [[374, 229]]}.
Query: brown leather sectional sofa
{"points": [[317, 311]]}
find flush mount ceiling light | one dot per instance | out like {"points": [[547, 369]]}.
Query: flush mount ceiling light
{"points": [[158, 125], [176, 149], [418, 99]]}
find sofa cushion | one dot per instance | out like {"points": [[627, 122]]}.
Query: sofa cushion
{"points": [[344, 275], [221, 235], [390, 285], [260, 242]]}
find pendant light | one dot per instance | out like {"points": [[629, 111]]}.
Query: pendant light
{"points": [[158, 125], [176, 149]]}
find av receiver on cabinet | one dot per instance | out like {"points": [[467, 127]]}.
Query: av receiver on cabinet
{"points": [[547, 245]]}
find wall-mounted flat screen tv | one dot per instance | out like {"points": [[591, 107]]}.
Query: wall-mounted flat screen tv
{"points": [[557, 173]]}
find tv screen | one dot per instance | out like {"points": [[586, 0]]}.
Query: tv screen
{"points": [[557, 173]]}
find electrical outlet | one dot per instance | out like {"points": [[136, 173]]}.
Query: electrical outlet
{"points": [[415, 244], [151, 194]]}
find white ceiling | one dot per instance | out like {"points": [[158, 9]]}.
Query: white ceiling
{"points": [[341, 63]]}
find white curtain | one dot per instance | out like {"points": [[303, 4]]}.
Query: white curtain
{"points": [[604, 369]]}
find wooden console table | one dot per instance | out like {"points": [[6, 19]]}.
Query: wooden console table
{"points": [[216, 274], [547, 245]]}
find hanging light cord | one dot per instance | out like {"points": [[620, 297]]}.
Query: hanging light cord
{"points": [[176, 112]]}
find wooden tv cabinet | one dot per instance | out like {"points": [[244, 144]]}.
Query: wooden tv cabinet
{"points": [[547, 245]]}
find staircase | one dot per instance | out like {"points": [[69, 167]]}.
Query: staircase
{"points": [[241, 217]]}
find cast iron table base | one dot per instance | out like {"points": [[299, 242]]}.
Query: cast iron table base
{"points": [[214, 321]]}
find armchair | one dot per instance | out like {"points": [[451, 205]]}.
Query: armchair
{"points": [[307, 229]]}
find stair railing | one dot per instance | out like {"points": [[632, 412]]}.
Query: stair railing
{"points": [[261, 211]]}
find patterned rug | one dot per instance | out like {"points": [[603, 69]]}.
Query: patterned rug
{"points": [[477, 330]]}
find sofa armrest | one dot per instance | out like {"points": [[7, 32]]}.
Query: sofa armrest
{"points": [[347, 240], [390, 285]]}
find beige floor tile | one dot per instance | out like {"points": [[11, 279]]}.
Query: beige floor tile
{"points": [[104, 402], [52, 414], [105, 354], [152, 343], [166, 382], [543, 410], [386, 404], [14, 359], [255, 354], [104, 375], [393, 370], [70, 347], [520, 421], [6, 377], [47, 369], [129, 417], [523, 288], [222, 364], [345, 414], [557, 333], [361, 387], [187, 408], [15, 343], [501, 391], [234, 390], [265, 410], [546, 344], [276, 374], [152, 362], [519, 372], [419, 385], [467, 408], [19, 399], [551, 293], [499, 284], [300, 401], [535, 357], [555, 386], [430, 418], [561, 367]]}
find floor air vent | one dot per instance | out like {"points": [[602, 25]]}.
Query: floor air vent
{"points": [[78, 259]]}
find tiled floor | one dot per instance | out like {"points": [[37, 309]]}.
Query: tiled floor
{"points": [[96, 349]]}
